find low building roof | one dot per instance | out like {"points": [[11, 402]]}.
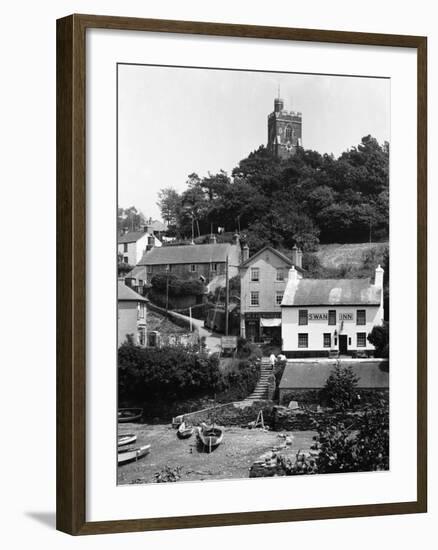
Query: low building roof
{"points": [[187, 254], [126, 294], [313, 375], [130, 237], [328, 292]]}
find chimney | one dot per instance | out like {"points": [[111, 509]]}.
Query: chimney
{"points": [[378, 281], [245, 253], [212, 239], [297, 257], [236, 238], [293, 274]]}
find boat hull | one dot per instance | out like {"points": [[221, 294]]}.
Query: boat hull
{"points": [[125, 456]]}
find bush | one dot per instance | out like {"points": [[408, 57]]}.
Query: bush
{"points": [[166, 374], [340, 390], [340, 450], [379, 337], [240, 379], [175, 286]]}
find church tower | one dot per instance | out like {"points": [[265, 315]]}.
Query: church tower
{"points": [[284, 130]]}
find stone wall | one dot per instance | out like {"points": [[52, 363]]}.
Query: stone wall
{"points": [[232, 414]]}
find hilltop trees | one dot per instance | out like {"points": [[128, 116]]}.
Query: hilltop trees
{"points": [[302, 200]]}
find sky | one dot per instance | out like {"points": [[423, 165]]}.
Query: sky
{"points": [[174, 121]]}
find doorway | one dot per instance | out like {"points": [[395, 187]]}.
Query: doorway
{"points": [[343, 344]]}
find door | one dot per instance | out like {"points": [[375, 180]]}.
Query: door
{"points": [[343, 344]]}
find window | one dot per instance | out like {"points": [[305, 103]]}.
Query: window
{"points": [[255, 274], [361, 318], [141, 336], [361, 339], [149, 268], [327, 340], [125, 247], [332, 317], [125, 259], [288, 133], [278, 297], [193, 268], [214, 267], [280, 274], [254, 298], [140, 282], [140, 311], [303, 340], [303, 317]]}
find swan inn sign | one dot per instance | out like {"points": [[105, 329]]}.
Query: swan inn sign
{"points": [[325, 316]]}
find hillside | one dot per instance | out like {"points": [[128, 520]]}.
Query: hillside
{"points": [[336, 255]]}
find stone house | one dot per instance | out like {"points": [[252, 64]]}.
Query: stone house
{"points": [[263, 280]]}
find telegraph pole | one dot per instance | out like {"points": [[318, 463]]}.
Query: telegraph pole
{"points": [[227, 297]]}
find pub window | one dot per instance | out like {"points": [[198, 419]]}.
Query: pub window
{"points": [[303, 340], [332, 317], [255, 274], [278, 297], [361, 317], [361, 339], [193, 268], [327, 340], [302, 317], [254, 298], [280, 274]]}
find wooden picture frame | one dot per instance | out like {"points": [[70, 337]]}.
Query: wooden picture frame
{"points": [[71, 273]]}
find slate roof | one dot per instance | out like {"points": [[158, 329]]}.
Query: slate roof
{"points": [[187, 254], [130, 237], [282, 256], [126, 294], [313, 375], [327, 292]]}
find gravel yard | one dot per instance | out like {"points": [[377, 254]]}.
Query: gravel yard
{"points": [[232, 459]]}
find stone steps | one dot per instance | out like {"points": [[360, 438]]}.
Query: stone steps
{"points": [[261, 389]]}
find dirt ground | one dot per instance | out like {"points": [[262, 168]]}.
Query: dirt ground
{"points": [[232, 459]]}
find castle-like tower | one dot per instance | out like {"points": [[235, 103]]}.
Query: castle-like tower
{"points": [[284, 130]]}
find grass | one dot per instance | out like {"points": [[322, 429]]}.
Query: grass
{"points": [[336, 255]]}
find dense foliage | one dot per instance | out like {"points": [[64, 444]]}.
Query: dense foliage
{"points": [[340, 390], [177, 286], [174, 374], [379, 337], [167, 374], [365, 449], [302, 200]]}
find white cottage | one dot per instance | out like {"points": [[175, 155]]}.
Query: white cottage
{"points": [[322, 317]]}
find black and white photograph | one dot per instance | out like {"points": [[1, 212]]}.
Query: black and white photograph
{"points": [[252, 274]]}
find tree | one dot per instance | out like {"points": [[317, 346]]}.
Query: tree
{"points": [[169, 203], [340, 390], [379, 337]]}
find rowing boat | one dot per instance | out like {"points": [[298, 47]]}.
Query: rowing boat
{"points": [[210, 436], [126, 439], [129, 415], [130, 454], [185, 430]]}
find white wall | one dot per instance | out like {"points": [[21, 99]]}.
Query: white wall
{"points": [[316, 328], [28, 186]]}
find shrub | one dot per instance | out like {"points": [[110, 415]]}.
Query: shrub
{"points": [[340, 390], [166, 374], [340, 450], [379, 337]]}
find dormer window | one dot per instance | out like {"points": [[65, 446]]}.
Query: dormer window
{"points": [[255, 274]]}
